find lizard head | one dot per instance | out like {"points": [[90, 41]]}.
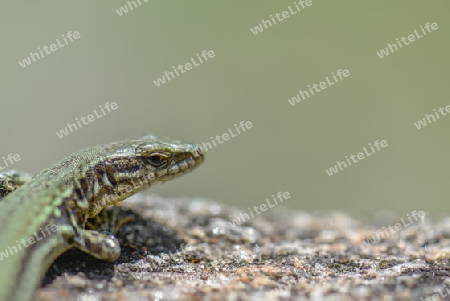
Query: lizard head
{"points": [[166, 159], [130, 166], [137, 164]]}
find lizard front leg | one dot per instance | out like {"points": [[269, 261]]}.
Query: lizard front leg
{"points": [[98, 240], [101, 245]]}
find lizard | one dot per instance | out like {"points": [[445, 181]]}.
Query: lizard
{"points": [[45, 215]]}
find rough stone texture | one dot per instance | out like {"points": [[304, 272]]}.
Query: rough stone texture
{"points": [[187, 249]]}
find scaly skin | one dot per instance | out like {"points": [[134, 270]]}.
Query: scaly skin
{"points": [[47, 214]]}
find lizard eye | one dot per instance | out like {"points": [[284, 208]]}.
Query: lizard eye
{"points": [[157, 159]]}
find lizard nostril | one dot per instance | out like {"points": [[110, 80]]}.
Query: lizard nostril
{"points": [[199, 151]]}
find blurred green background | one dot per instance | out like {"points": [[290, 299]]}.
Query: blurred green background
{"points": [[250, 79]]}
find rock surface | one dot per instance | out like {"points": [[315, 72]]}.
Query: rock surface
{"points": [[190, 249]]}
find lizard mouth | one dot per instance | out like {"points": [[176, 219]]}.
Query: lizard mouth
{"points": [[182, 163]]}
